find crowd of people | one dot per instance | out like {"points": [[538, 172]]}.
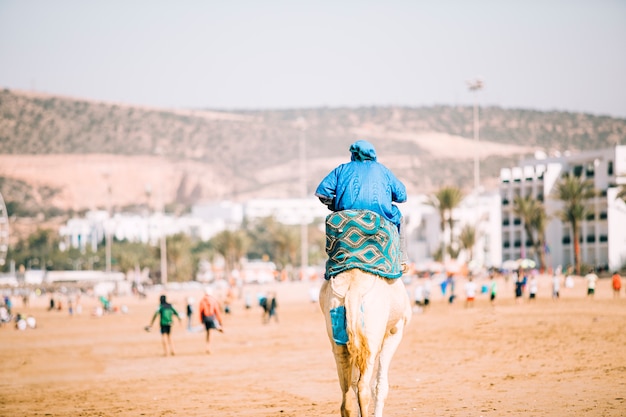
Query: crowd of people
{"points": [[206, 315], [8, 315], [524, 285]]}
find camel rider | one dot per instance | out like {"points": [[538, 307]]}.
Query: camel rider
{"points": [[365, 184]]}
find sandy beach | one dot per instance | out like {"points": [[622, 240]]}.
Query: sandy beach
{"points": [[541, 358]]}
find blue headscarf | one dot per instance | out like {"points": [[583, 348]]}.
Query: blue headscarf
{"points": [[362, 150], [363, 184]]}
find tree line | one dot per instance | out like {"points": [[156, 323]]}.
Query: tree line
{"points": [[265, 239], [268, 239]]}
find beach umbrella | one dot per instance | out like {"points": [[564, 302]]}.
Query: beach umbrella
{"points": [[510, 265], [526, 263]]}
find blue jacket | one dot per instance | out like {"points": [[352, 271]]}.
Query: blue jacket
{"points": [[363, 183]]}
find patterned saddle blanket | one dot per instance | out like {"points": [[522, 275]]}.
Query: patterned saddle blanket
{"points": [[362, 239]]}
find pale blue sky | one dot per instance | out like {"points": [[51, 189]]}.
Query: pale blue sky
{"points": [[545, 55]]}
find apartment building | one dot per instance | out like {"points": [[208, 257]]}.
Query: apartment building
{"points": [[602, 232]]}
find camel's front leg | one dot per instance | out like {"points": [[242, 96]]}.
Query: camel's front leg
{"points": [[389, 347]]}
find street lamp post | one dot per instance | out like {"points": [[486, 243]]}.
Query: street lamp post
{"points": [[475, 86]]}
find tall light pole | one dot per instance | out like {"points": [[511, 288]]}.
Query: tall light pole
{"points": [[475, 86], [304, 231]]}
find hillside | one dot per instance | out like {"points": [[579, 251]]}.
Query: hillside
{"points": [[59, 153]]}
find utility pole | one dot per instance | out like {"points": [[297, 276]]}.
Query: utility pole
{"points": [[475, 86]]}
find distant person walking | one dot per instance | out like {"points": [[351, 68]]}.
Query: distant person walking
{"points": [[591, 278], [470, 292], [519, 289], [190, 302], [556, 286], [617, 284], [166, 311], [427, 289], [8, 304], [270, 308], [210, 315], [493, 289], [418, 295], [532, 288]]}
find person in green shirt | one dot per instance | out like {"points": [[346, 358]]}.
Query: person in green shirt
{"points": [[166, 311], [493, 289]]}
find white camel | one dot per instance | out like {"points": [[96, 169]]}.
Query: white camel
{"points": [[377, 310]]}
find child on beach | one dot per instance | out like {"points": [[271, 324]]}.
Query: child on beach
{"points": [[166, 311]]}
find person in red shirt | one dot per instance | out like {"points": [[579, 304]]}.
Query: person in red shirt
{"points": [[617, 284], [210, 315]]}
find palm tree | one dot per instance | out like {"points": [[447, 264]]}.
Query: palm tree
{"points": [[287, 245], [181, 261], [446, 199], [574, 192], [539, 222], [533, 214], [232, 246], [468, 239], [276, 241]]}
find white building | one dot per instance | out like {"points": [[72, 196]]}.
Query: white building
{"points": [[602, 234], [84, 232], [90, 231], [482, 211], [290, 211], [208, 219], [229, 214], [424, 235]]}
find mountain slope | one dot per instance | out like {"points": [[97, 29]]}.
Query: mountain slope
{"points": [[71, 153]]}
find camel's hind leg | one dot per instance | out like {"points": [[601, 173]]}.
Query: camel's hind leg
{"points": [[389, 347], [344, 371], [364, 394]]}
